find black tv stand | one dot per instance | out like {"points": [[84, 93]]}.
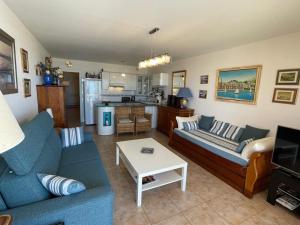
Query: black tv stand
{"points": [[284, 183]]}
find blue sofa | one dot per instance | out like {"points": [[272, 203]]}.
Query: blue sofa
{"points": [[29, 203]]}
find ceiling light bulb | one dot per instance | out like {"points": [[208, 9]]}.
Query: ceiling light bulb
{"points": [[123, 74]]}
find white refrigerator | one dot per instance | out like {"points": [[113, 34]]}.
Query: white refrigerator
{"points": [[91, 96]]}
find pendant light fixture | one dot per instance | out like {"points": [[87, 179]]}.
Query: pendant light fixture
{"points": [[156, 60]]}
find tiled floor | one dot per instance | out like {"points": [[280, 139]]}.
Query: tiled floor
{"points": [[207, 200]]}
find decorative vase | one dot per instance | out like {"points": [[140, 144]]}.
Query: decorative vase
{"points": [[48, 78]]}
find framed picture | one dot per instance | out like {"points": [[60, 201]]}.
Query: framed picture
{"points": [[288, 77], [204, 79], [8, 69], [285, 95], [202, 93], [24, 60], [239, 84], [27, 87]]}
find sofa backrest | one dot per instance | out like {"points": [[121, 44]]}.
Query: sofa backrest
{"points": [[39, 152]]}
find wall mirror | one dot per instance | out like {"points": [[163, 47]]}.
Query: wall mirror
{"points": [[178, 81]]}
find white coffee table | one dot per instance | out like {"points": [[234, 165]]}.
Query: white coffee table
{"points": [[161, 164]]}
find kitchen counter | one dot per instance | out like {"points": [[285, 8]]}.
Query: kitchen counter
{"points": [[118, 104]]}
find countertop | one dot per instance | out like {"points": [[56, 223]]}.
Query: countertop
{"points": [[118, 104]]}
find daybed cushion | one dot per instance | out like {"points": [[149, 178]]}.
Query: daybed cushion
{"points": [[253, 132], [218, 127], [260, 145], [181, 119], [233, 132], [215, 144], [206, 122]]}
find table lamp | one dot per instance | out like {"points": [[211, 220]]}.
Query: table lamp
{"points": [[11, 133], [184, 93]]}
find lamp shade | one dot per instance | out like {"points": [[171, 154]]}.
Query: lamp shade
{"points": [[184, 93], [11, 133]]}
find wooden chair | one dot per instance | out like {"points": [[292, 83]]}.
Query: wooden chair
{"points": [[141, 118], [124, 120]]}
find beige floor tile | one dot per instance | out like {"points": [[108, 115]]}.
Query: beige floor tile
{"points": [[137, 219], [175, 220], [202, 215]]}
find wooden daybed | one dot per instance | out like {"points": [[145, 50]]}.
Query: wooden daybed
{"points": [[248, 180]]}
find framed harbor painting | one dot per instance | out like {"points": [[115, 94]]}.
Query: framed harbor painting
{"points": [[8, 70], [239, 84]]}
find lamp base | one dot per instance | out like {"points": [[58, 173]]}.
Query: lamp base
{"points": [[183, 103]]}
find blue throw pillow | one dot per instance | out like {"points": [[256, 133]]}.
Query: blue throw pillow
{"points": [[190, 125], [218, 127], [60, 186], [253, 132], [72, 136], [206, 122], [242, 145]]}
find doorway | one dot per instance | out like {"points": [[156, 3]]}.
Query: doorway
{"points": [[72, 98]]}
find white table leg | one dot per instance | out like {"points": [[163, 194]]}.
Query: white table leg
{"points": [[183, 174], [139, 191], [117, 155]]}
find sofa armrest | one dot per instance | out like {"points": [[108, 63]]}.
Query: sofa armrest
{"points": [[93, 207], [258, 171], [88, 136]]}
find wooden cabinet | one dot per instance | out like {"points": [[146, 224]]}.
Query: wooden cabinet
{"points": [[105, 80], [167, 113], [53, 97]]}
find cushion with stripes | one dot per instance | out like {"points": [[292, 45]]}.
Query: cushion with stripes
{"points": [[233, 132], [243, 144], [60, 186], [190, 125], [72, 136], [218, 127]]}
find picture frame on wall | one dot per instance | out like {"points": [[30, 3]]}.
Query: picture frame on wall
{"points": [[238, 84], [8, 68], [27, 88], [202, 93], [204, 79], [285, 95], [288, 77], [24, 60]]}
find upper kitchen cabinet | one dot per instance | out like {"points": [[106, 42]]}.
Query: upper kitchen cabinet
{"points": [[161, 79], [105, 80], [130, 82], [142, 85]]}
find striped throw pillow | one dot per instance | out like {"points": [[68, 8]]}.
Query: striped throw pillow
{"points": [[190, 125], [242, 145], [72, 136], [233, 132], [60, 186], [218, 127]]}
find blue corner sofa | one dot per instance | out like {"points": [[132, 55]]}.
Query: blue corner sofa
{"points": [[29, 203]]}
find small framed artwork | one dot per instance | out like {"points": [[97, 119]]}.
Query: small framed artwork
{"points": [[8, 69], [202, 93], [24, 60], [285, 95], [288, 77], [204, 79], [27, 87]]}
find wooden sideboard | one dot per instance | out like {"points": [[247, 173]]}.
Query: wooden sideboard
{"points": [[166, 114], [53, 97]]}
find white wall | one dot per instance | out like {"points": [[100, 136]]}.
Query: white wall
{"points": [[277, 53], [23, 108], [93, 67]]}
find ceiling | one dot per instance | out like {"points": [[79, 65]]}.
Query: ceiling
{"points": [[117, 30]]}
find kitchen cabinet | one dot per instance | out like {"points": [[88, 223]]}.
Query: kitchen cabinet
{"points": [[166, 114], [161, 79], [116, 79], [142, 85], [105, 80], [153, 111], [130, 82]]}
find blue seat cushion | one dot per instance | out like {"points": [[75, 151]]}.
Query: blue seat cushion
{"points": [[79, 153], [206, 122], [91, 173], [22, 158], [213, 147]]}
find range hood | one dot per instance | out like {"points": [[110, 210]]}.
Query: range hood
{"points": [[116, 85]]}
